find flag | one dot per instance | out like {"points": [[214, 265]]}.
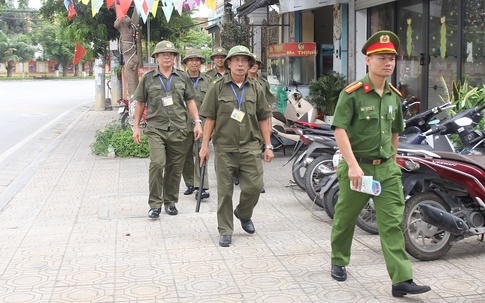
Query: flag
{"points": [[95, 6], [70, 8], [109, 3], [122, 7], [79, 53]]}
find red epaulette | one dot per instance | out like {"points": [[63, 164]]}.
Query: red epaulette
{"points": [[352, 87], [395, 89]]}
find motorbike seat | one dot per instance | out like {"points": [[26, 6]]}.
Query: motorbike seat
{"points": [[477, 160], [411, 146]]}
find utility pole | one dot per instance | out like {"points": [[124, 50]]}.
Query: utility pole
{"points": [[100, 85]]}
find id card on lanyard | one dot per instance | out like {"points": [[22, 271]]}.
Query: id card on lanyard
{"points": [[237, 114], [167, 100]]}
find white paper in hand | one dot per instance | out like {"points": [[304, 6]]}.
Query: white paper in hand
{"points": [[369, 186]]}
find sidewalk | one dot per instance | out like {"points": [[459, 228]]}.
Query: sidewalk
{"points": [[78, 231]]}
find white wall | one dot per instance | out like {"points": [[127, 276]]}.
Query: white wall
{"points": [[361, 37]]}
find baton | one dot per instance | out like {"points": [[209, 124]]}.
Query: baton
{"points": [[201, 183]]}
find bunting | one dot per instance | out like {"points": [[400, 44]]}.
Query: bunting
{"points": [[154, 8], [95, 6], [79, 52], [85, 2], [167, 11], [122, 7], [70, 8], [143, 7], [211, 4], [109, 3]]}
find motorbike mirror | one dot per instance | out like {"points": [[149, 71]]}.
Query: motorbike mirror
{"points": [[434, 122], [464, 121]]}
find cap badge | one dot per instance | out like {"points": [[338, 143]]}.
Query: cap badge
{"points": [[219, 50], [243, 49], [384, 39], [169, 45]]}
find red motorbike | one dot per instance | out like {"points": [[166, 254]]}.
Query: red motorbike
{"points": [[445, 191]]}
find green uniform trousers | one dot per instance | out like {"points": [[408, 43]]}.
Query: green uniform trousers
{"points": [[389, 206], [191, 172], [167, 155], [250, 169]]}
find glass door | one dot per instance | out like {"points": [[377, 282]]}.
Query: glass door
{"points": [[413, 60]]}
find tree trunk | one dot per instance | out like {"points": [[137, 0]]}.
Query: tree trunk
{"points": [[10, 65], [128, 50]]}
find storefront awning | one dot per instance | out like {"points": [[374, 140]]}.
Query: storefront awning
{"points": [[287, 6], [250, 6], [213, 28]]}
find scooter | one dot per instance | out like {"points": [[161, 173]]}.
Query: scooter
{"points": [[297, 110], [445, 191]]}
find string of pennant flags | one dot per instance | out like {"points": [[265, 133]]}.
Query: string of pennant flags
{"points": [[144, 8]]}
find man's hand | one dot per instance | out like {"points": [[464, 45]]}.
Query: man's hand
{"points": [[355, 175], [203, 154], [268, 155], [197, 131], [136, 134]]}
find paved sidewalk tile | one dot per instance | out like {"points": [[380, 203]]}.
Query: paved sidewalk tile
{"points": [[78, 231]]}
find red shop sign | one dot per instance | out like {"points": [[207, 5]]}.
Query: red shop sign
{"points": [[292, 49]]}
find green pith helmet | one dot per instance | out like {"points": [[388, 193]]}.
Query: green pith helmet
{"points": [[239, 50], [164, 47], [258, 60], [193, 53], [218, 51]]}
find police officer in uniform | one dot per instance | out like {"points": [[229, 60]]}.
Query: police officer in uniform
{"points": [[236, 114], [367, 120], [169, 95], [218, 55], [193, 60]]}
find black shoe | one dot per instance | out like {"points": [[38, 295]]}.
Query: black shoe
{"points": [[171, 210], [408, 287], [339, 273], [263, 190], [203, 195], [189, 190], [247, 225], [225, 240], [154, 213]]}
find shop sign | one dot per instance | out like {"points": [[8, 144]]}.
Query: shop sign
{"points": [[292, 49]]}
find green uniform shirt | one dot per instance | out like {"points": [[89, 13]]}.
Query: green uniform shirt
{"points": [[201, 87], [220, 102], [151, 91], [267, 92], [369, 119], [214, 74]]}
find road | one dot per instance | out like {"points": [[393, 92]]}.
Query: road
{"points": [[35, 112]]}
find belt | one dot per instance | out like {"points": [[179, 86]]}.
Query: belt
{"points": [[371, 161]]}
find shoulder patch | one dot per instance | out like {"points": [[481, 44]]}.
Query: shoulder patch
{"points": [[395, 89], [353, 87]]}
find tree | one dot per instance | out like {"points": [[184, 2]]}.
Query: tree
{"points": [[14, 49], [56, 47], [233, 33]]}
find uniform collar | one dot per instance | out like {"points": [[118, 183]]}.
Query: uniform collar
{"points": [[174, 71], [368, 86], [228, 79]]}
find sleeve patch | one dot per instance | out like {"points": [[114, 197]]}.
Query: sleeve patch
{"points": [[352, 87]]}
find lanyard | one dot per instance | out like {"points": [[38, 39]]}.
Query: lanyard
{"points": [[239, 100], [196, 83], [163, 84]]}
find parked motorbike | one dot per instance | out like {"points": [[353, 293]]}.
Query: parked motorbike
{"points": [[297, 110], [445, 191]]}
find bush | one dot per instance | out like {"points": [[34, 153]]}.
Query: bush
{"points": [[121, 140]]}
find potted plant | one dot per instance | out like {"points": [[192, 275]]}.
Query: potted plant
{"points": [[324, 93]]}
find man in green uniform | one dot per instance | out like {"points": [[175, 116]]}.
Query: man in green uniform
{"points": [[367, 120], [218, 55], [253, 73], [193, 60], [236, 114], [168, 94]]}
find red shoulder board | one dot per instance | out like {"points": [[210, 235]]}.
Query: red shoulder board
{"points": [[352, 87], [395, 89]]}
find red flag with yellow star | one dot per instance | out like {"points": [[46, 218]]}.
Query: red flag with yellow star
{"points": [[79, 53]]}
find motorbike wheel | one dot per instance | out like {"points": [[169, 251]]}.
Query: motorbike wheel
{"points": [[366, 221], [425, 241], [298, 172], [124, 121], [329, 200], [316, 176]]}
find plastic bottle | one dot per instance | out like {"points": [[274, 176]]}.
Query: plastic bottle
{"points": [[111, 151]]}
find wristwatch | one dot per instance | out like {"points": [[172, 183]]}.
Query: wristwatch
{"points": [[269, 147], [198, 121]]}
